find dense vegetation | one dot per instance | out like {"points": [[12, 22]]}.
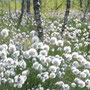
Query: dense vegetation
{"points": [[44, 45]]}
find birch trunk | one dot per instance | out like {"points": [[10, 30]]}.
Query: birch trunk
{"points": [[85, 12], [37, 16], [81, 4], [21, 15], [28, 6], [9, 8], [15, 6], [2, 8], [66, 15]]}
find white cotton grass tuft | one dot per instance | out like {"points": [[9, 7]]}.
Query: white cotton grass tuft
{"points": [[76, 64], [4, 32], [48, 59], [12, 48], [67, 49], [60, 43], [66, 87], [68, 56], [22, 64], [87, 65], [73, 85], [4, 47], [86, 71], [10, 61], [81, 84], [46, 47], [78, 25], [52, 75], [33, 52], [20, 79], [26, 54], [53, 68], [40, 45], [1, 48], [82, 75], [74, 54], [3, 54], [53, 40], [16, 53], [43, 53], [80, 58], [60, 83], [76, 71], [25, 73], [35, 39], [56, 62], [36, 65]]}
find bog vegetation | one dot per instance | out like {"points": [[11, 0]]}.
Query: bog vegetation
{"points": [[44, 44]]}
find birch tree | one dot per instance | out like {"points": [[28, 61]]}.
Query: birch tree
{"points": [[28, 6], [37, 16], [15, 6], [81, 4], [85, 12], [22, 12], [66, 15], [2, 5], [9, 8]]}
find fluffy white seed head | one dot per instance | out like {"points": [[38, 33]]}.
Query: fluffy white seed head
{"points": [[66, 87], [46, 47], [33, 52], [53, 40], [76, 71], [26, 54], [52, 69], [43, 53], [59, 43], [60, 83], [82, 75], [12, 48], [67, 49], [4, 32], [56, 62], [16, 53], [74, 54], [40, 45], [52, 75], [81, 84], [35, 39], [73, 85]]}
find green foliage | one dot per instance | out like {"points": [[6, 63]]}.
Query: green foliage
{"points": [[46, 5]]}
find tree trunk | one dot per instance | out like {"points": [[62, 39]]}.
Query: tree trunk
{"points": [[9, 8], [37, 16], [2, 8], [85, 12], [28, 6], [81, 4], [15, 6], [21, 15], [66, 15], [40, 2], [56, 3]]}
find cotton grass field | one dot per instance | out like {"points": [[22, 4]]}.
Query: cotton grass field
{"points": [[58, 62]]}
